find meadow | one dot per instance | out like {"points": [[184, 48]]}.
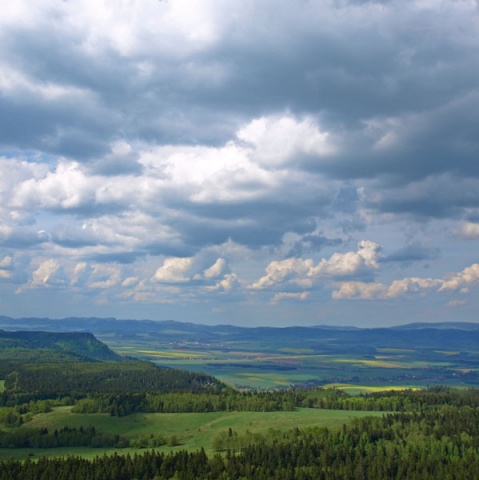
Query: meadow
{"points": [[190, 431]]}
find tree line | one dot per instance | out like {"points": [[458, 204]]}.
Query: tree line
{"points": [[52, 381], [63, 437]]}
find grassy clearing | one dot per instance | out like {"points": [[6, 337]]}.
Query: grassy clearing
{"points": [[2, 385], [297, 351], [358, 389], [193, 430], [173, 354], [259, 379], [395, 350]]}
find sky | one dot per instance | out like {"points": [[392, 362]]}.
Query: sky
{"points": [[247, 162]]}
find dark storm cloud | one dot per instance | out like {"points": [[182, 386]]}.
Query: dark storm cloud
{"points": [[414, 252], [442, 196], [312, 243], [22, 238]]}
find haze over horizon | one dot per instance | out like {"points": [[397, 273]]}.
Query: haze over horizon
{"points": [[249, 163]]}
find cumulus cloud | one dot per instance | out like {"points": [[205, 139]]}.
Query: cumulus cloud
{"points": [[305, 273], [462, 281], [277, 141], [44, 272], [469, 230], [412, 252], [104, 276], [77, 272], [42, 275], [216, 269], [174, 270], [289, 296], [227, 283], [5, 266]]}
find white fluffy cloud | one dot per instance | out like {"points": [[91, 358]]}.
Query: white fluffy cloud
{"points": [[174, 270], [289, 296], [104, 276], [462, 281], [227, 283], [280, 140], [304, 273], [469, 230], [216, 269], [5, 265], [42, 275]]}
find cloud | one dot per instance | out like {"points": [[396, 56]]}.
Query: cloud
{"points": [[104, 276], [216, 269], [228, 283], [77, 272], [305, 273], [6, 264], [151, 152], [295, 270], [174, 270], [280, 140], [462, 281], [183, 196], [455, 303], [65, 188], [300, 245], [289, 296], [469, 230], [42, 275], [359, 290], [419, 198], [129, 282], [21, 237], [412, 252]]}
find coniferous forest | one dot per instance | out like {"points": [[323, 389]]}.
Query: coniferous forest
{"points": [[433, 439]]}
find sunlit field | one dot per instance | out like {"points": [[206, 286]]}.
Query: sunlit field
{"points": [[244, 367], [191, 430]]}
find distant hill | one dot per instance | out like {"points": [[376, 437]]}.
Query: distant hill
{"points": [[439, 326], [322, 338], [44, 347], [39, 365]]}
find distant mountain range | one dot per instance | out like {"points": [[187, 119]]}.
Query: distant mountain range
{"points": [[459, 335]]}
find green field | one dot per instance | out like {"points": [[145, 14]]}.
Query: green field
{"points": [[192, 430], [245, 367]]}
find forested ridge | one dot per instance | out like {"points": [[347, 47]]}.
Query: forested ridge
{"points": [[78, 380], [80, 346], [32, 365]]}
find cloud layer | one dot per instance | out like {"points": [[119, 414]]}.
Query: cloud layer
{"points": [[167, 162]]}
